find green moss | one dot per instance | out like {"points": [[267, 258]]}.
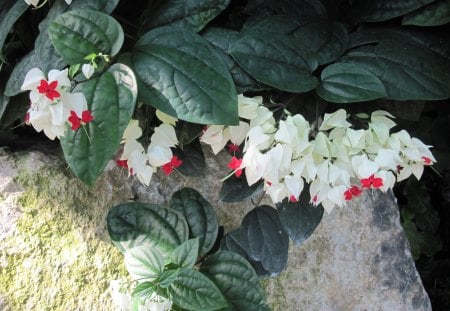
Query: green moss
{"points": [[56, 259]]}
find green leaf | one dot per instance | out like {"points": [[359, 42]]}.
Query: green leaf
{"points": [[106, 6], [193, 159], [400, 66], [200, 216], [3, 103], [181, 75], [47, 58], [111, 99], [300, 219], [264, 238], [192, 290], [168, 277], [7, 22], [433, 14], [144, 289], [187, 132], [185, 255], [18, 74], [347, 83], [144, 263], [299, 9], [377, 11], [13, 109], [274, 60], [236, 279], [236, 189], [78, 33], [131, 224], [187, 14]]}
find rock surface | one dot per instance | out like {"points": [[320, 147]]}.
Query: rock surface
{"points": [[55, 253]]}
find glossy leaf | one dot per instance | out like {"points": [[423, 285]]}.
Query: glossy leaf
{"points": [[3, 103], [144, 289], [187, 132], [433, 14], [144, 263], [132, 224], [377, 11], [237, 189], [89, 149], [347, 83], [167, 277], [273, 60], [264, 238], [300, 219], [200, 216], [105, 6], [181, 75], [193, 159], [299, 9], [185, 255], [78, 33], [8, 20], [400, 66], [188, 14], [192, 290], [18, 74], [47, 58], [236, 279]]}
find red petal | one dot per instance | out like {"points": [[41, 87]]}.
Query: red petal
{"points": [[122, 163], [293, 199], [42, 88], [167, 168], [175, 162], [234, 163], [238, 173], [355, 191], [86, 116], [377, 182], [427, 160], [348, 195], [74, 120], [366, 182], [53, 85]]}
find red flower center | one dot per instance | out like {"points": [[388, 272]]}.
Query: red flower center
{"points": [[232, 148], [76, 122], [352, 192], [171, 165], [372, 181], [49, 89], [235, 165], [427, 160], [293, 199]]}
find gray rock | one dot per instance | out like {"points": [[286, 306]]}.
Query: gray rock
{"points": [[357, 259]]}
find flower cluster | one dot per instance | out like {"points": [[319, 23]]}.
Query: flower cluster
{"points": [[52, 106], [338, 163], [40, 3], [144, 162]]}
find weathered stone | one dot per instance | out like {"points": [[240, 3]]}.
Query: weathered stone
{"points": [[55, 253]]}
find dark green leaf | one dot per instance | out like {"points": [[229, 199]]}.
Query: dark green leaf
{"points": [[144, 289], [193, 159], [236, 189], [187, 132], [377, 11], [273, 60], [188, 14], [13, 109], [300, 219], [7, 22], [132, 224], [47, 58], [168, 277], [3, 103], [433, 14], [106, 6], [78, 33], [111, 99], [200, 216], [300, 9], [264, 238], [185, 255], [144, 263], [347, 83], [236, 279], [181, 75], [192, 290], [18, 74], [407, 71]]}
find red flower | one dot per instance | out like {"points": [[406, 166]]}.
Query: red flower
{"points": [[27, 118], [76, 121], [427, 160], [122, 163], [49, 89], [314, 199], [169, 166], [235, 164], [372, 181], [232, 148], [352, 192], [293, 199]]}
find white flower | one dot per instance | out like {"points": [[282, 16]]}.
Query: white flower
{"points": [[237, 133], [120, 298], [164, 136], [335, 119], [137, 163], [68, 1], [216, 137], [388, 159], [88, 70], [34, 3], [165, 118], [247, 106], [255, 164], [159, 155], [132, 132]]}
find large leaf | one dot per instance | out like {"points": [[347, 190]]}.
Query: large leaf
{"points": [[144, 263], [381, 10], [273, 60], [131, 224], [191, 14], [236, 279], [185, 255], [299, 9], [47, 58], [181, 75], [407, 70], [3, 103], [301, 218], [7, 21], [78, 33], [237, 189], [264, 238], [192, 290], [347, 83], [434, 14], [106, 6], [111, 99], [200, 216], [18, 74], [193, 159]]}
